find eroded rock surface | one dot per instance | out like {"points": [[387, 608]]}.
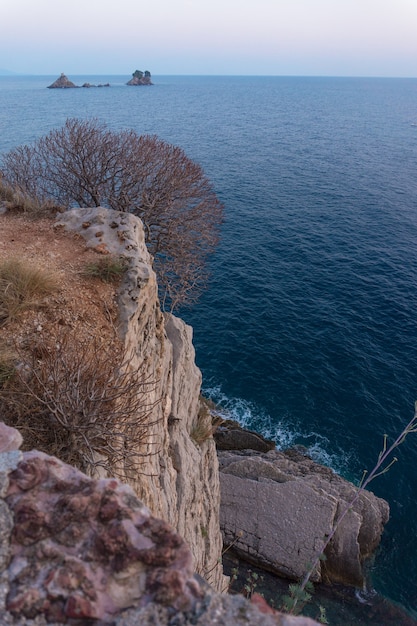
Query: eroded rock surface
{"points": [[79, 551], [277, 507], [87, 549]]}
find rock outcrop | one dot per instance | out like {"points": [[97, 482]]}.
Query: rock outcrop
{"points": [[140, 78], [62, 83], [277, 508], [229, 435], [180, 480], [82, 551], [89, 85]]}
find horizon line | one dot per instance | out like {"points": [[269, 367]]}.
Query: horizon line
{"points": [[10, 74]]}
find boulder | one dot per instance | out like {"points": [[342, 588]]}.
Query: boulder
{"points": [[74, 550], [229, 435], [62, 83], [277, 508]]}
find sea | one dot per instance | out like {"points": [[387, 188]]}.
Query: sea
{"points": [[307, 331]]}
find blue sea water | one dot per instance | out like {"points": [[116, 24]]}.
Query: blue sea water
{"points": [[307, 331]]}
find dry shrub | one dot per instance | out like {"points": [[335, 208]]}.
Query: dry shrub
{"points": [[87, 165], [82, 402], [22, 286]]}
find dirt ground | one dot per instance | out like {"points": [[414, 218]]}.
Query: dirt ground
{"points": [[78, 305]]}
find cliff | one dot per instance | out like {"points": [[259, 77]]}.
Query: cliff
{"points": [[160, 346], [105, 329]]}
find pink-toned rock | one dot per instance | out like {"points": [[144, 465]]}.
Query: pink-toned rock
{"points": [[10, 438], [86, 549], [79, 551]]}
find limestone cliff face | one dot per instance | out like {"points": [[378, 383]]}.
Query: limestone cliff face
{"points": [[180, 480]]}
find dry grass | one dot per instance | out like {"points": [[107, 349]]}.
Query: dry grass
{"points": [[109, 269], [6, 192], [7, 364], [203, 428], [22, 286], [81, 401], [16, 200]]}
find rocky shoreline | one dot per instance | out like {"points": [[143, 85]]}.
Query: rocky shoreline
{"points": [[261, 552]]}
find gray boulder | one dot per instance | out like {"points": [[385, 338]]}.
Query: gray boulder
{"points": [[277, 509], [231, 436]]}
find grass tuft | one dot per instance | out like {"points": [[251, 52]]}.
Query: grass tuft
{"points": [[203, 427], [16, 200], [22, 286], [109, 269]]}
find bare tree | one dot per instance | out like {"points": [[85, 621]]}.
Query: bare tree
{"points": [[85, 164]]}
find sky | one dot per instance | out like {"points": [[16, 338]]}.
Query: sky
{"points": [[218, 37]]}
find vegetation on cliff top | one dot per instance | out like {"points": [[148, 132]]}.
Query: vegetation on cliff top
{"points": [[84, 164]]}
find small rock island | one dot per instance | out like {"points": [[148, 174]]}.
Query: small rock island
{"points": [[62, 82], [140, 78]]}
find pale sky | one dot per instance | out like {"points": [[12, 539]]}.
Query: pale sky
{"points": [[231, 37]]}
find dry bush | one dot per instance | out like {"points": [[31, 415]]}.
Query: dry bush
{"points": [[82, 402], [22, 286]]}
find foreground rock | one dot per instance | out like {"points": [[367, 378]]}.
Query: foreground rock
{"points": [[276, 508], [82, 551], [62, 83]]}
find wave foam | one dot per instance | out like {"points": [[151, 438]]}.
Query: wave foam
{"points": [[283, 431]]}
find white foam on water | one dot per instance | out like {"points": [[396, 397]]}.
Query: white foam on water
{"points": [[283, 431]]}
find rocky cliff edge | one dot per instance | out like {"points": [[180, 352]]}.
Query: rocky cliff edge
{"points": [[180, 480]]}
